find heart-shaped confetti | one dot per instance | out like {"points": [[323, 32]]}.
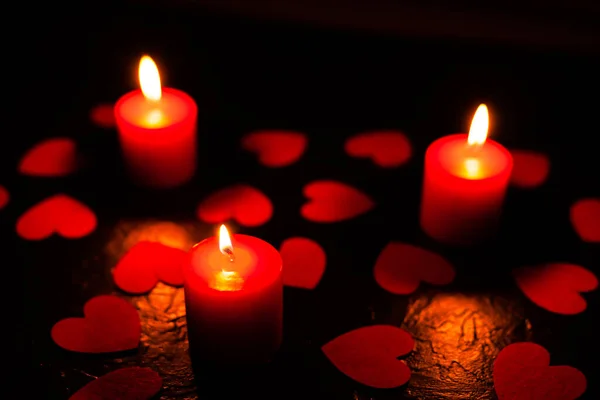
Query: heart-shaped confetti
{"points": [[134, 383], [140, 269], [246, 204], [387, 149], [556, 287], [585, 218], [303, 262], [4, 197], [530, 169], [110, 325], [59, 214], [522, 371], [103, 115], [332, 201], [400, 268], [369, 355], [51, 158], [276, 148]]}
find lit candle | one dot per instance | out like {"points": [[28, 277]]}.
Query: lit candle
{"points": [[234, 299], [157, 131], [464, 185]]}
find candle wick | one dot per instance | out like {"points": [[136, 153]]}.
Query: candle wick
{"points": [[229, 252]]}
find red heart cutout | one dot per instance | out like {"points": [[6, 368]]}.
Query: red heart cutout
{"points": [[246, 204], [110, 324], [132, 383], [369, 355], [388, 149], [103, 115], [140, 269], [556, 287], [61, 214], [303, 262], [400, 267], [4, 197], [585, 217], [276, 148], [530, 169], [50, 158], [522, 371], [334, 201]]}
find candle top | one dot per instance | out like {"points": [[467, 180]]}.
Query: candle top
{"points": [[250, 265], [172, 108], [463, 160]]}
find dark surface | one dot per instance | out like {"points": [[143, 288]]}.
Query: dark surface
{"points": [[247, 76]]}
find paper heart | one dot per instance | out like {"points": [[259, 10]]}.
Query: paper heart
{"points": [[333, 201], [522, 371], [276, 148], [4, 197], [400, 267], [246, 204], [530, 169], [134, 383], [585, 218], [303, 262], [50, 158], [59, 214], [110, 324], [103, 115], [388, 149], [140, 269], [556, 287], [369, 355]]}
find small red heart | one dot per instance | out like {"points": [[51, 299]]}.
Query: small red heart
{"points": [[134, 383], [61, 214], [276, 148], [110, 324], [103, 115], [556, 287], [388, 149], [530, 169], [4, 197], [140, 269], [303, 262], [50, 158], [246, 204], [333, 201], [369, 355], [522, 371], [585, 217], [400, 267]]}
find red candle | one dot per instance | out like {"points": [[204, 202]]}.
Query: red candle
{"points": [[157, 131], [464, 185], [234, 299]]}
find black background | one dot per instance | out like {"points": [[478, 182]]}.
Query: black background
{"points": [[248, 75]]}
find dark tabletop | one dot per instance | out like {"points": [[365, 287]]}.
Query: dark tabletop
{"points": [[248, 75]]}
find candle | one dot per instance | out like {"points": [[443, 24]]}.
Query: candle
{"points": [[234, 299], [464, 185], [157, 131]]}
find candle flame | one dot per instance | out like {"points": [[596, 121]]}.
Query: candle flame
{"points": [[225, 241], [479, 126], [149, 79]]}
